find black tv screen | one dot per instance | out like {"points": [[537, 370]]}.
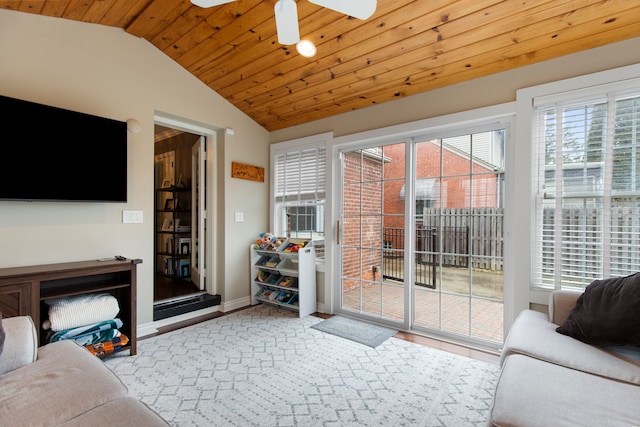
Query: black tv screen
{"points": [[53, 154]]}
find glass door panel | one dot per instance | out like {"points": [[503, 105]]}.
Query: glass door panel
{"points": [[372, 233], [458, 197]]}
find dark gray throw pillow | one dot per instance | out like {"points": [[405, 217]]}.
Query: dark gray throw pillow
{"points": [[608, 312]]}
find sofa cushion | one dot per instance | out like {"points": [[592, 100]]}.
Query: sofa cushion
{"points": [[532, 334], [533, 393], [607, 313], [20, 343], [561, 302], [65, 380]]}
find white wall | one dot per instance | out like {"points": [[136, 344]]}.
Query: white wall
{"points": [[106, 72]]}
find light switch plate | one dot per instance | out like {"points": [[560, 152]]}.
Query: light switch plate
{"points": [[132, 217], [239, 216]]}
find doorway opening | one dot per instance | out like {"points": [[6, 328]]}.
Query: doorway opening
{"points": [[180, 282]]}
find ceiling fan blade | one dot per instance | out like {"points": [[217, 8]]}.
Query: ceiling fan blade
{"points": [[361, 9], [210, 3], [287, 22]]}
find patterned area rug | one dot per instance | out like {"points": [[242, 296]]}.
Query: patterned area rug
{"points": [[266, 367], [355, 330]]}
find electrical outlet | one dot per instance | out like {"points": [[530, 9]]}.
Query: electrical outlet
{"points": [[132, 217]]}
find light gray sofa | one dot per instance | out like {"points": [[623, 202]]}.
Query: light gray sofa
{"points": [[61, 384], [551, 379]]}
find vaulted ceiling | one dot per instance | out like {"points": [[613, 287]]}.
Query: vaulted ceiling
{"points": [[406, 47]]}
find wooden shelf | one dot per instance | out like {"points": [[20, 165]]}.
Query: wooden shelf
{"points": [[23, 290], [170, 260], [65, 291]]}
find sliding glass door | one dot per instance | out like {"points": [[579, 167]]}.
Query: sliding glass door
{"points": [[421, 235]]}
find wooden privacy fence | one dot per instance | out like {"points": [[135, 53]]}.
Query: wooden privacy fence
{"points": [[454, 237], [485, 236]]}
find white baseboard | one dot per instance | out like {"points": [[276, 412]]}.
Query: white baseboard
{"points": [[235, 304], [145, 330]]}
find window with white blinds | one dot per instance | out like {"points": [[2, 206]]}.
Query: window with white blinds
{"points": [[586, 186], [300, 192], [300, 175]]}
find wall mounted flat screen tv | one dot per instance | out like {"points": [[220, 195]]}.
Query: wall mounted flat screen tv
{"points": [[52, 154]]}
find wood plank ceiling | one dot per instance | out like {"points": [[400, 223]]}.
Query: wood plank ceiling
{"points": [[406, 47]]}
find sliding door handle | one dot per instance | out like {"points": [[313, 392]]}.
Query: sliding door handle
{"points": [[338, 232]]}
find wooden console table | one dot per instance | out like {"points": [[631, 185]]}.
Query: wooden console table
{"points": [[23, 290]]}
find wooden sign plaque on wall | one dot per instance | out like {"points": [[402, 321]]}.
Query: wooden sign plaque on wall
{"points": [[242, 171]]}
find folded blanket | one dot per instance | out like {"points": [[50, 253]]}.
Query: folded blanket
{"points": [[71, 312], [108, 347], [97, 338], [89, 334]]}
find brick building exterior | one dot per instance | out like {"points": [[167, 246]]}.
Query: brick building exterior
{"points": [[368, 209]]}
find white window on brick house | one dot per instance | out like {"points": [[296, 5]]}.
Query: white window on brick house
{"points": [[586, 186]]}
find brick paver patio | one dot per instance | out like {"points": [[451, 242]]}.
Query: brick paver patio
{"points": [[449, 310]]}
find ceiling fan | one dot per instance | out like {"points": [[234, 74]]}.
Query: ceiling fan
{"points": [[286, 12]]}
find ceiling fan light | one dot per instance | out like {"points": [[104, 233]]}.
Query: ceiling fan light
{"points": [[286, 13], [209, 3], [306, 48]]}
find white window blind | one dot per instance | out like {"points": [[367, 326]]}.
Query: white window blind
{"points": [[586, 187], [300, 175]]}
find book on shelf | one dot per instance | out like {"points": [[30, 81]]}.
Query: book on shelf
{"points": [[168, 266], [184, 245], [184, 268], [179, 267]]}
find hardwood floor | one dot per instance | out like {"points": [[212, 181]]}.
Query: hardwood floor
{"points": [[167, 288], [407, 336], [450, 347], [441, 345]]}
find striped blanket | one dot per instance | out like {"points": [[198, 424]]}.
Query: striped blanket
{"points": [[88, 334]]}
